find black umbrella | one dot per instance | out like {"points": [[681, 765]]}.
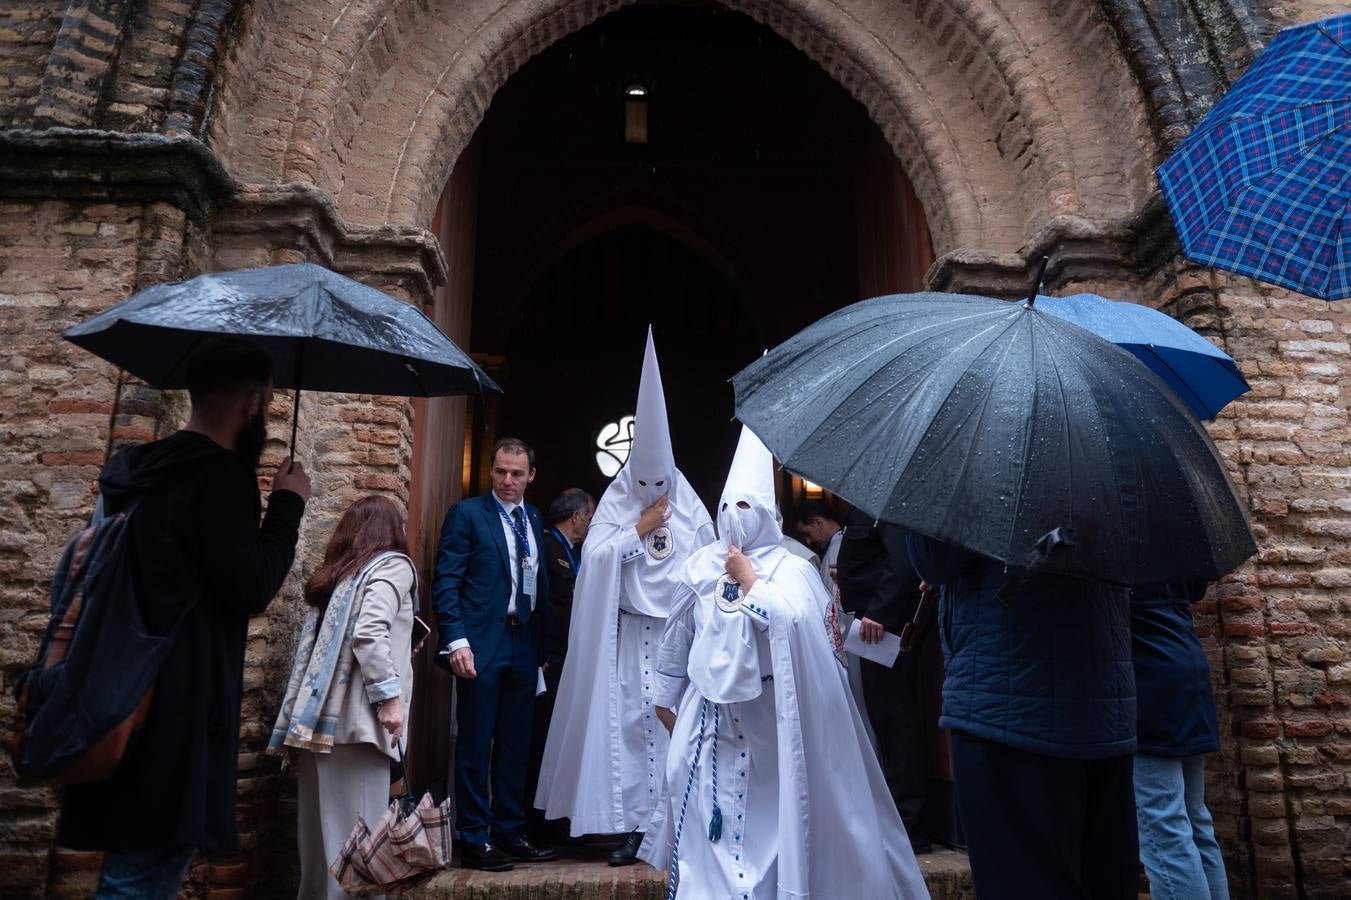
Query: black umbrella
{"points": [[323, 331], [990, 425]]}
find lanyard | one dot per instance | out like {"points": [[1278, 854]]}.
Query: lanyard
{"points": [[511, 523], [567, 548]]}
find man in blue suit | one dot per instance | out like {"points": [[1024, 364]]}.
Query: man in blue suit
{"points": [[489, 579]]}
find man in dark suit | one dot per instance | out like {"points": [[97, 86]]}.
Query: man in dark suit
{"points": [[880, 587], [492, 631], [569, 517]]}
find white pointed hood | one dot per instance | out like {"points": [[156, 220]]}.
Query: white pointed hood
{"points": [[648, 583], [651, 466], [725, 664], [750, 484]]}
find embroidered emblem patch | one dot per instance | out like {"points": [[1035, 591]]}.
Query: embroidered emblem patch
{"points": [[728, 593], [834, 634], [659, 543]]}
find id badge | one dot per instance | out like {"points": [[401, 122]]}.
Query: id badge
{"points": [[528, 581]]}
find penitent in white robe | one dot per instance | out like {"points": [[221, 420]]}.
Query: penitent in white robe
{"points": [[605, 756], [805, 810]]}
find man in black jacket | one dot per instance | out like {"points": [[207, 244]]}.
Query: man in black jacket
{"points": [[569, 517], [880, 587], [205, 566]]}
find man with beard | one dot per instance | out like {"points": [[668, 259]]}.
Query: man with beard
{"points": [[205, 565], [606, 750]]}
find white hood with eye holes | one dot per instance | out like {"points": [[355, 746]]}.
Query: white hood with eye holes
{"points": [[648, 583], [748, 515]]}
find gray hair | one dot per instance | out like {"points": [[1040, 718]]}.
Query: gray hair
{"points": [[572, 500]]}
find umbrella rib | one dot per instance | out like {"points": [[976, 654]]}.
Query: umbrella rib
{"points": [[1091, 373], [969, 340], [1027, 439], [859, 387], [966, 457]]}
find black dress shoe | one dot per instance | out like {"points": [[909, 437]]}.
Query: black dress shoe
{"points": [[524, 851], [627, 854], [485, 857]]}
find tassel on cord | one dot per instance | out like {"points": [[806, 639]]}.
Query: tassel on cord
{"points": [[715, 821], [674, 868]]}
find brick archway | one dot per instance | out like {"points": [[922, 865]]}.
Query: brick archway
{"points": [[1004, 120]]}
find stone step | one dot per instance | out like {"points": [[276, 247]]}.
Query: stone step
{"points": [[946, 872]]}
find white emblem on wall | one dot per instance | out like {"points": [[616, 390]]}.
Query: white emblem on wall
{"points": [[614, 442]]}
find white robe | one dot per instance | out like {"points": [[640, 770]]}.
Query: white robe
{"points": [[605, 756], [805, 809]]}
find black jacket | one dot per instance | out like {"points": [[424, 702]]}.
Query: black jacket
{"points": [[1176, 710], [875, 576], [562, 581], [196, 541]]}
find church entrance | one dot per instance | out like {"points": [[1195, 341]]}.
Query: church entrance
{"points": [[674, 164]]}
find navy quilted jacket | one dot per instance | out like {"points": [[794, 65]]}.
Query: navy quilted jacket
{"points": [[1050, 672]]}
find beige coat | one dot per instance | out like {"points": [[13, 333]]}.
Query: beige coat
{"points": [[382, 645]]}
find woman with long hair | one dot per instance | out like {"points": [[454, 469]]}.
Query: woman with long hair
{"points": [[347, 699]]}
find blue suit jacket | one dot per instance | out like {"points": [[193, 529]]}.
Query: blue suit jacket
{"points": [[473, 579]]}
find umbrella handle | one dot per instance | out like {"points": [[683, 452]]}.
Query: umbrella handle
{"points": [[295, 407], [1036, 282]]}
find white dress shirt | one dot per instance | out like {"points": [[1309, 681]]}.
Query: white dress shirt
{"points": [[513, 551], [512, 554]]}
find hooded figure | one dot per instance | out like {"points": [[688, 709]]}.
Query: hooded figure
{"points": [[774, 789], [606, 751]]}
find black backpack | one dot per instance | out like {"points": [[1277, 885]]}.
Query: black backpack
{"points": [[90, 689]]}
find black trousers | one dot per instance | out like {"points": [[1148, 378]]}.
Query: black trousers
{"points": [[544, 711], [895, 708], [1042, 826]]}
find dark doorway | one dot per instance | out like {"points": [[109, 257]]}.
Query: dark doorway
{"points": [[735, 216], [575, 353], [674, 164]]}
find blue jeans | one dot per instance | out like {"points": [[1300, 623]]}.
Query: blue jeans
{"points": [[1177, 834], [144, 874]]}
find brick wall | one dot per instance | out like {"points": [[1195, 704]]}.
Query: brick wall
{"points": [[1025, 128], [59, 263]]}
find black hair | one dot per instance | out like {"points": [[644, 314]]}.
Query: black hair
{"points": [[226, 367], [813, 509]]}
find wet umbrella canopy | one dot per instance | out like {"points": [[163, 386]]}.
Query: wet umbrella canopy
{"points": [[990, 424], [1203, 375], [323, 331]]}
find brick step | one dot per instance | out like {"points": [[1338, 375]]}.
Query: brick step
{"points": [[946, 872]]}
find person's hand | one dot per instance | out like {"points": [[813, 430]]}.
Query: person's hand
{"points": [[925, 587], [390, 714], [870, 632], [740, 568], [291, 477], [654, 516], [462, 663], [667, 718]]}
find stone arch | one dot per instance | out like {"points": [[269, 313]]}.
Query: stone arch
{"points": [[1004, 115]]}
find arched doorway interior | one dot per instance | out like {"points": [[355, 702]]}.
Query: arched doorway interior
{"points": [[756, 196]]}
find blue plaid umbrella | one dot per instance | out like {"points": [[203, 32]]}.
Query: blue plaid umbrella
{"points": [[1261, 186], [1201, 374]]}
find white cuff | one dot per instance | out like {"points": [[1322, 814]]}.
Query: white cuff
{"points": [[458, 645], [633, 548], [751, 606]]}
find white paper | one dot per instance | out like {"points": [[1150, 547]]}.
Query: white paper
{"points": [[540, 687], [884, 652]]}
